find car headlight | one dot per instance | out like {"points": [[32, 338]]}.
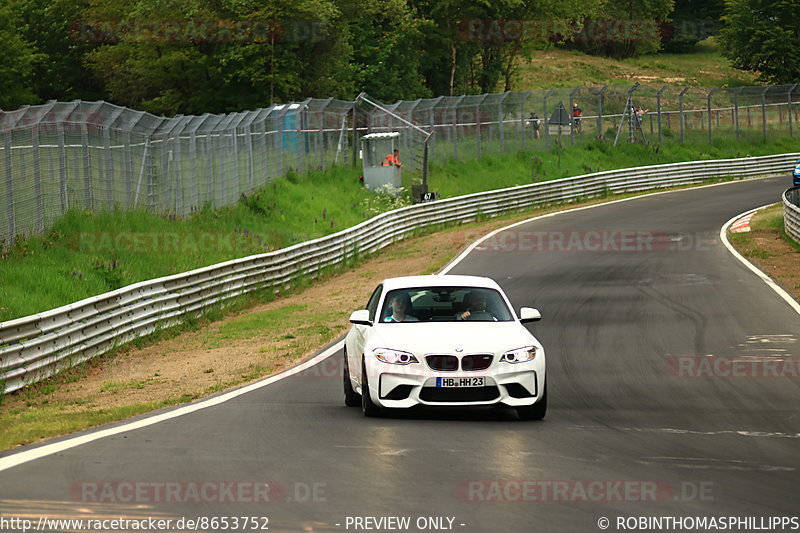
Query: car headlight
{"points": [[520, 355], [394, 357]]}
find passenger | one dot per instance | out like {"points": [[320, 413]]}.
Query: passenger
{"points": [[401, 308]]}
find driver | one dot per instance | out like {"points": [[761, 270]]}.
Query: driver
{"points": [[476, 308]]}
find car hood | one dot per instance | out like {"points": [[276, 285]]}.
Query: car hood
{"points": [[448, 337]]}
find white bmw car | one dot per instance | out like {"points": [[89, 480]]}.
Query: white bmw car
{"points": [[443, 340]]}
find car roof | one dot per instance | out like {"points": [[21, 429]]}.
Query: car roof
{"points": [[433, 280]]}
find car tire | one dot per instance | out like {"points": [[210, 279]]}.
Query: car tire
{"points": [[367, 405], [535, 411], [351, 397]]}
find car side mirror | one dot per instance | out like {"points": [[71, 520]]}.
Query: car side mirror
{"points": [[529, 314], [361, 317]]}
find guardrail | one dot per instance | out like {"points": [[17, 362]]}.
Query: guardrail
{"points": [[791, 212], [37, 346]]}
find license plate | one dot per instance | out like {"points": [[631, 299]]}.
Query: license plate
{"points": [[459, 382]]}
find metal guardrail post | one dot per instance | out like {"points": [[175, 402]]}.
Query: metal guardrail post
{"points": [[791, 212]]}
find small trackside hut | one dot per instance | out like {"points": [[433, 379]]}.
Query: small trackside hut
{"points": [[380, 165]]}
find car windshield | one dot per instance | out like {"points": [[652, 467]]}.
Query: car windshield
{"points": [[444, 304]]}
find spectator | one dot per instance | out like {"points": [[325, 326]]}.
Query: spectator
{"points": [[639, 112], [534, 121], [392, 159], [577, 113]]}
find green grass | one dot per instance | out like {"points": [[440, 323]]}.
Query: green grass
{"points": [[494, 172], [22, 426], [86, 254], [703, 67]]}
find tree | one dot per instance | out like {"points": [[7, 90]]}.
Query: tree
{"points": [[763, 36], [384, 37], [15, 67], [198, 56], [691, 22], [58, 72], [624, 28]]}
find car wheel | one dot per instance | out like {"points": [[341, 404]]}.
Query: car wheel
{"points": [[535, 411], [351, 397], [367, 406]]}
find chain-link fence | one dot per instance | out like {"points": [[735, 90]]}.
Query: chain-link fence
{"points": [[94, 155]]}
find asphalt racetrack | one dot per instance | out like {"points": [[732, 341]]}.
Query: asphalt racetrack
{"points": [[673, 393]]}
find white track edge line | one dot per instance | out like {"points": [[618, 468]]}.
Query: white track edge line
{"points": [[723, 235], [26, 456], [56, 447]]}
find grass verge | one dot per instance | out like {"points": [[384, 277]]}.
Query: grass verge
{"points": [[86, 254], [770, 248]]}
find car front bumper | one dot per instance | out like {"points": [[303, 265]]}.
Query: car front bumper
{"points": [[514, 385]]}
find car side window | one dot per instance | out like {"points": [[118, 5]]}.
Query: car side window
{"points": [[372, 305]]}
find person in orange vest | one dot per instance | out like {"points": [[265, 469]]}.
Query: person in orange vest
{"points": [[392, 159]]}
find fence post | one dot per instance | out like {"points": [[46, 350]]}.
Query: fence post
{"points": [[680, 109], [600, 95], [791, 90], [546, 120], [12, 230], [37, 178], [478, 131], [764, 111], [658, 108], [62, 167], [736, 110], [87, 168], [109, 168], [710, 122], [454, 136], [355, 139], [500, 125]]}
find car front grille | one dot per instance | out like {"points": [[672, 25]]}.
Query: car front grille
{"points": [[458, 395], [442, 363], [476, 362], [451, 363]]}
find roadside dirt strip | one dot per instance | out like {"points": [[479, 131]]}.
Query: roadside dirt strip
{"points": [[251, 344], [765, 247], [273, 336]]}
